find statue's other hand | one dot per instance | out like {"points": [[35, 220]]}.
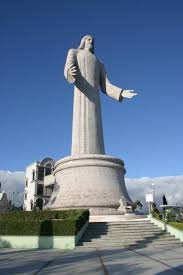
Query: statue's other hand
{"points": [[72, 71], [128, 93]]}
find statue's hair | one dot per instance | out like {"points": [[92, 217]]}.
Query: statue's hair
{"points": [[82, 43]]}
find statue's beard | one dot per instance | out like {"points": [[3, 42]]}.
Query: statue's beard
{"points": [[90, 48]]}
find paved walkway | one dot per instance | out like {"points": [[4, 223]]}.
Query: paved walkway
{"points": [[93, 261]]}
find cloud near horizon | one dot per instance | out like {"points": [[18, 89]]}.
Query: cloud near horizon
{"points": [[171, 186], [13, 182]]}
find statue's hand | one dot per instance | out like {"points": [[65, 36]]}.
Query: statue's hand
{"points": [[128, 93], [72, 71]]}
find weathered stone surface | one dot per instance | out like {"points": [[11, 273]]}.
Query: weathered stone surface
{"points": [[94, 181], [88, 178]]}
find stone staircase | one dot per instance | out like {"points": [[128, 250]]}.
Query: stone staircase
{"points": [[140, 233]]}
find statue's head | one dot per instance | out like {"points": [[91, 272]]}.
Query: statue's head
{"points": [[87, 42]]}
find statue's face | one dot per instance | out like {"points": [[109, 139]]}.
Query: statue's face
{"points": [[89, 43]]}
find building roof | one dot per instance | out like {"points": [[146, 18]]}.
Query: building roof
{"points": [[43, 162], [47, 160]]}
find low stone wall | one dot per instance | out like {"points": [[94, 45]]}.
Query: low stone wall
{"points": [[41, 242], [168, 228]]}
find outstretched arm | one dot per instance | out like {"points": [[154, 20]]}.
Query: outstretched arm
{"points": [[111, 90], [128, 93]]}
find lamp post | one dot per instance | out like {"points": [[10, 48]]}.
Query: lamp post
{"points": [[153, 188], [13, 198]]}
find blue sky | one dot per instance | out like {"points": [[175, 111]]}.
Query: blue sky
{"points": [[140, 43]]}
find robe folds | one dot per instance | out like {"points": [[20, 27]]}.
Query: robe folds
{"points": [[91, 77]]}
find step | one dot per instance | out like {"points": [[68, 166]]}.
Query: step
{"points": [[133, 246], [132, 233], [103, 237], [151, 239], [124, 230], [165, 237], [122, 226], [122, 237], [126, 234], [141, 242], [124, 222], [119, 224], [106, 239]]}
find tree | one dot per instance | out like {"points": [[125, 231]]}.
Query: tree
{"points": [[164, 200]]}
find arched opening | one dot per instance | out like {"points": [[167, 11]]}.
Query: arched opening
{"points": [[39, 203]]}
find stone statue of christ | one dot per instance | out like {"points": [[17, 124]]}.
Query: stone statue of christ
{"points": [[89, 76]]}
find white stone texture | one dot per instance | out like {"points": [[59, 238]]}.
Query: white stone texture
{"points": [[87, 131], [89, 181], [89, 178], [49, 180]]}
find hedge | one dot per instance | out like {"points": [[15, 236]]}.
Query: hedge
{"points": [[157, 215], [43, 215], [43, 223]]}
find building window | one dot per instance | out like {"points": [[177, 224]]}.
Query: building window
{"points": [[26, 183], [25, 196], [40, 189], [33, 175], [40, 173], [39, 204], [47, 171]]}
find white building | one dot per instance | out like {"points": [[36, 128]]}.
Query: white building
{"points": [[39, 184]]}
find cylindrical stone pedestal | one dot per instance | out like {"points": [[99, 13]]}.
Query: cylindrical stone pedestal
{"points": [[89, 181]]}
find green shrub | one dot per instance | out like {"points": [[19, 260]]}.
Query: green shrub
{"points": [[154, 208], [170, 217], [38, 228], [157, 215], [42, 215], [43, 223]]}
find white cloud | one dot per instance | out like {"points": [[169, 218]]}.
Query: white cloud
{"points": [[13, 182], [171, 186]]}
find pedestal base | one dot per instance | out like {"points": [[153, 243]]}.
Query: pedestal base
{"points": [[90, 181]]}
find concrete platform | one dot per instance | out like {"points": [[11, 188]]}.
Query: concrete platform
{"points": [[108, 261]]}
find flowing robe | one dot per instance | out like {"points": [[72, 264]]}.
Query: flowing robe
{"points": [[87, 130]]}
